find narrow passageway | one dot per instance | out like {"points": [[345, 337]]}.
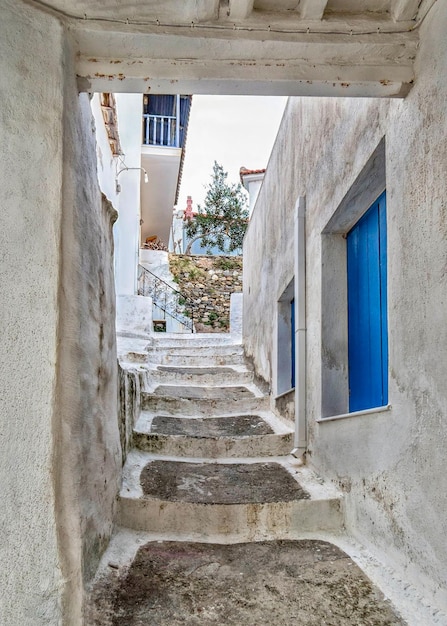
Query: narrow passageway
{"points": [[218, 524]]}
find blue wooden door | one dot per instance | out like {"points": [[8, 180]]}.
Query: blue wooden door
{"points": [[367, 309], [292, 343]]}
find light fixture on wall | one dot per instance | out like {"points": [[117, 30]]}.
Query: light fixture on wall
{"points": [[124, 169]]}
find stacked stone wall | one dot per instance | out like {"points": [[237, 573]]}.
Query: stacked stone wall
{"points": [[208, 281]]}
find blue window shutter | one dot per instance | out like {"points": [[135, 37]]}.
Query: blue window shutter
{"points": [[367, 310]]}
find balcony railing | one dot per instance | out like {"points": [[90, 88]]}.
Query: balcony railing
{"points": [[161, 130]]}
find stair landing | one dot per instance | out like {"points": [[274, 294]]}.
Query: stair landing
{"points": [[171, 583]]}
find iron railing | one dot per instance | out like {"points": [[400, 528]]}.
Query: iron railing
{"points": [[166, 298], [161, 130]]}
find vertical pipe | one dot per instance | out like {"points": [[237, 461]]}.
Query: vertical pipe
{"points": [[300, 440], [169, 131], [146, 139], [177, 122], [162, 130]]}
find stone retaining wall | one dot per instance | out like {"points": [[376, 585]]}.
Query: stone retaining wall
{"points": [[209, 282]]}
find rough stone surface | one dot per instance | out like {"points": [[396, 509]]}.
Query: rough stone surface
{"points": [[208, 281], [236, 426], [215, 483], [130, 385], [87, 454], [279, 583]]}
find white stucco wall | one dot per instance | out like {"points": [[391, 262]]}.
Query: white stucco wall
{"points": [[391, 465], [127, 228], [87, 454], [31, 114], [60, 459], [254, 187]]}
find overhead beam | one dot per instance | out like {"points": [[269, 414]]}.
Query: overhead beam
{"points": [[402, 10], [240, 9], [377, 64], [312, 9]]}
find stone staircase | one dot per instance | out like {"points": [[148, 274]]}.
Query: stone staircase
{"points": [[210, 461], [217, 522]]}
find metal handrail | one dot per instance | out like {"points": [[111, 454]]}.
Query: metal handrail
{"points": [[160, 130], [173, 305]]}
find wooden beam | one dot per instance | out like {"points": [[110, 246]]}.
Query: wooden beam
{"points": [[403, 10], [312, 9], [232, 61], [240, 9]]}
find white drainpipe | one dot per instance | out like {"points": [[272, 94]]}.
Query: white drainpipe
{"points": [[300, 440]]}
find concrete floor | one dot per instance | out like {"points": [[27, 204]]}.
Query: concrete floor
{"points": [[169, 583], [213, 483]]}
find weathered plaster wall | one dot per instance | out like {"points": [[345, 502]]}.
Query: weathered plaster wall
{"points": [[391, 465], [60, 451], [268, 245], [88, 456], [31, 118]]}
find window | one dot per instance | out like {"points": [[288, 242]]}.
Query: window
{"points": [[354, 342], [367, 309], [284, 379]]}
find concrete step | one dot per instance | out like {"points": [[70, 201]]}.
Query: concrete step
{"points": [[196, 355], [203, 401], [213, 437], [145, 578], [218, 375], [242, 498], [174, 340]]}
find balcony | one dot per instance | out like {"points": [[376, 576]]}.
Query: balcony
{"points": [[161, 130], [164, 125]]}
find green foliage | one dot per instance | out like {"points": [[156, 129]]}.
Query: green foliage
{"points": [[227, 263], [223, 219], [185, 268]]}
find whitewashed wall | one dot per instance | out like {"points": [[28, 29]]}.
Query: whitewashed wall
{"points": [[391, 465], [127, 202], [60, 452], [31, 122], [129, 112]]}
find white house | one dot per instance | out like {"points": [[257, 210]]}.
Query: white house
{"points": [[348, 289]]}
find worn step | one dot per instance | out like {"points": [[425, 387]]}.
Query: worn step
{"points": [[213, 437], [193, 356], [143, 580], [203, 401], [248, 500], [193, 340], [223, 375]]}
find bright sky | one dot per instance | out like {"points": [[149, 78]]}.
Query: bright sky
{"points": [[235, 131]]}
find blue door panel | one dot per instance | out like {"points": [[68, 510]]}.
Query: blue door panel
{"points": [[367, 328], [292, 343]]}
